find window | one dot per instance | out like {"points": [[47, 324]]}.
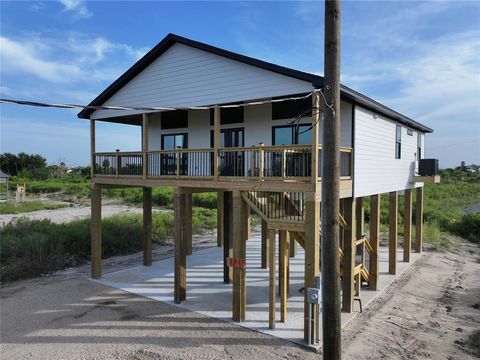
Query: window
{"points": [[292, 134], [228, 115], [410, 132], [291, 108], [175, 119], [419, 146], [398, 142]]}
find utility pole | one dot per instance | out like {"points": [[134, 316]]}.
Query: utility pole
{"points": [[330, 272]]}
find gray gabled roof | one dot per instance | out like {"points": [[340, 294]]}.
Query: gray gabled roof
{"points": [[3, 175], [316, 80]]}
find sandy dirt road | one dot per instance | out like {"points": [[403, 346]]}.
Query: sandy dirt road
{"points": [[428, 313], [63, 215]]}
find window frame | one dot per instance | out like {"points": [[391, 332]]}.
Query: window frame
{"points": [[398, 142]]}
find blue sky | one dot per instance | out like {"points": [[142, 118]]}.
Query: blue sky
{"points": [[420, 58]]}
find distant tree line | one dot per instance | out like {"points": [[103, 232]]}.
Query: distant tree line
{"points": [[34, 167]]}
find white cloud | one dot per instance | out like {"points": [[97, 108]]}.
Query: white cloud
{"points": [[77, 7], [23, 57], [68, 59]]}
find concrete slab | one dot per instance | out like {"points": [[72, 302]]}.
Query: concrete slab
{"points": [[207, 294]]}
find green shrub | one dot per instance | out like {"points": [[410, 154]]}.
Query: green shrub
{"points": [[468, 227], [13, 208], [34, 247]]}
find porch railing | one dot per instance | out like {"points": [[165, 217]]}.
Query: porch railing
{"points": [[280, 163]]}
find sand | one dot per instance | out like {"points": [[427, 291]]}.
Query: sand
{"points": [[428, 313]]}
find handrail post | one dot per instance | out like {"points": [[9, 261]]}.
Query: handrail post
{"points": [[118, 162], [92, 149], [284, 165], [178, 164], [144, 145], [216, 142], [261, 164]]}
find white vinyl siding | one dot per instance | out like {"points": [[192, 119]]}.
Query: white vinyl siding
{"points": [[376, 170], [185, 76]]}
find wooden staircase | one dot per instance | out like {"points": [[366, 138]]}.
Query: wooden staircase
{"points": [[288, 210]]}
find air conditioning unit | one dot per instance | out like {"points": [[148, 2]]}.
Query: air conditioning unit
{"points": [[428, 167]]}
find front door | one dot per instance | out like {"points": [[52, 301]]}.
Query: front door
{"points": [[168, 162], [231, 162]]}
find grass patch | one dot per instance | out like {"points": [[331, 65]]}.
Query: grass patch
{"points": [[31, 248], [27, 206]]}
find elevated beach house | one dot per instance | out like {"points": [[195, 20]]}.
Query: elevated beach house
{"points": [[214, 120]]}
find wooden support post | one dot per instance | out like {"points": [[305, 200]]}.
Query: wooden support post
{"points": [[282, 273], [187, 222], [289, 240], [239, 256], [180, 287], [374, 241], [92, 149], [293, 248], [272, 303], [227, 236], [312, 254], [220, 215], [419, 220], [349, 255], [360, 218], [96, 232], [392, 233], [216, 142], [147, 226], [145, 145], [265, 245], [245, 222], [407, 225]]}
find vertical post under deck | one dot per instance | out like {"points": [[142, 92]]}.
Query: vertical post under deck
{"points": [[374, 241], [187, 221], [407, 225], [282, 273], [239, 254], [419, 220], [96, 232], [392, 233], [147, 226], [180, 287], [92, 149], [312, 255], [272, 303], [227, 236], [264, 246], [349, 255], [220, 214]]}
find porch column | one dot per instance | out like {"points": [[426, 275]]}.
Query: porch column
{"points": [[312, 254], [392, 233], [374, 241], [220, 214], [239, 257], [227, 236], [180, 290], [147, 226], [349, 254], [92, 149], [216, 142], [96, 232], [145, 144], [407, 225], [187, 223], [419, 220], [265, 246]]}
